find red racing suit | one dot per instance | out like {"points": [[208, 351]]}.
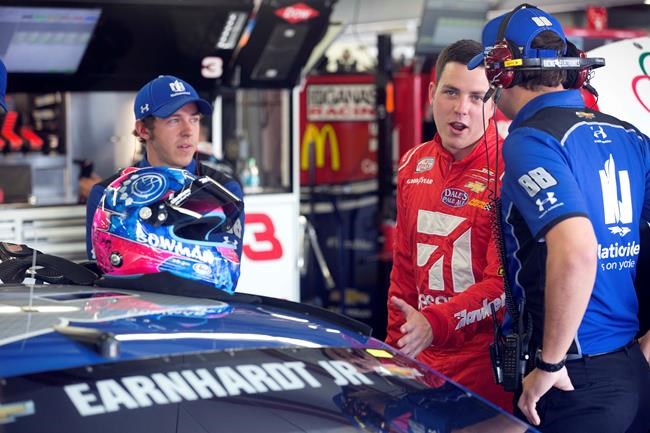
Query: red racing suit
{"points": [[445, 259]]}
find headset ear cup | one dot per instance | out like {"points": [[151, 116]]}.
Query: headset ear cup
{"points": [[516, 76], [571, 78], [496, 74], [581, 78], [575, 78]]}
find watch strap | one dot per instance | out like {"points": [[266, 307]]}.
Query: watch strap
{"points": [[546, 366]]}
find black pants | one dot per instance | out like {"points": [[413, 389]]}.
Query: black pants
{"points": [[612, 395]]}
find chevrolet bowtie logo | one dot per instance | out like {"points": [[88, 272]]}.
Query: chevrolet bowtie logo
{"points": [[9, 412], [476, 187], [585, 115], [144, 108]]}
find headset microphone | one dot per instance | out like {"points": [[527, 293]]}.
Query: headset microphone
{"points": [[493, 91], [489, 94]]}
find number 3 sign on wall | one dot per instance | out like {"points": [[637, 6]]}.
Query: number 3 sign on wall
{"points": [[261, 242]]}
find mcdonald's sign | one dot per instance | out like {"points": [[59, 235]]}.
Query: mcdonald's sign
{"points": [[319, 138]]}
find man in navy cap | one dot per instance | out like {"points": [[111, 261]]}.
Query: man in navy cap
{"points": [[168, 116], [3, 87], [576, 185]]}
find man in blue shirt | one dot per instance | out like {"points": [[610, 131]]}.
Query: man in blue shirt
{"points": [[576, 185], [168, 115]]}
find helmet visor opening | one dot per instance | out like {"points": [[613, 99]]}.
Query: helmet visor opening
{"points": [[207, 199]]}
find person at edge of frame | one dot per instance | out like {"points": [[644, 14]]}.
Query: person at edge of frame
{"points": [[576, 185]]}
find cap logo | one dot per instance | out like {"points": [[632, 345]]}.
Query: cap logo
{"points": [[177, 86], [542, 22], [144, 108]]}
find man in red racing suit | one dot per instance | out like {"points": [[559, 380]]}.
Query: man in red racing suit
{"points": [[446, 270]]}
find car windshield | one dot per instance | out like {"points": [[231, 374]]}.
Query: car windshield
{"points": [[262, 390]]}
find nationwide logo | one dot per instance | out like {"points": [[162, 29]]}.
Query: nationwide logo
{"points": [[454, 197], [623, 255], [617, 210], [425, 164], [614, 251], [296, 13]]}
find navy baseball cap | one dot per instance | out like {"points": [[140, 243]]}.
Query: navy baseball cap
{"points": [[3, 86], [165, 95], [524, 25]]}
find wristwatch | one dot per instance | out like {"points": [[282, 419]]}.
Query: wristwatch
{"points": [[545, 366]]}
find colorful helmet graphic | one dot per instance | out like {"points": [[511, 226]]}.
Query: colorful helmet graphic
{"points": [[157, 219]]}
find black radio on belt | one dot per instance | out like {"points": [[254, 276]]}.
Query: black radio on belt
{"points": [[509, 355]]}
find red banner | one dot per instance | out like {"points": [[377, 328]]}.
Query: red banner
{"points": [[338, 130]]}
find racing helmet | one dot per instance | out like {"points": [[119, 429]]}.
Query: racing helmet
{"points": [[157, 219]]}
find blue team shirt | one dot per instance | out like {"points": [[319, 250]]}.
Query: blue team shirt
{"points": [[563, 160]]}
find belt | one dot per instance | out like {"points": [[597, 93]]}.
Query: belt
{"points": [[576, 356]]}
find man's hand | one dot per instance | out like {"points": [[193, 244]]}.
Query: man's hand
{"points": [[417, 334], [535, 385], [645, 345]]}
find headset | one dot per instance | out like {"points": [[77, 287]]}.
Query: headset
{"points": [[503, 61]]}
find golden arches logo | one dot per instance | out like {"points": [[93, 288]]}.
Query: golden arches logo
{"points": [[319, 137]]}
